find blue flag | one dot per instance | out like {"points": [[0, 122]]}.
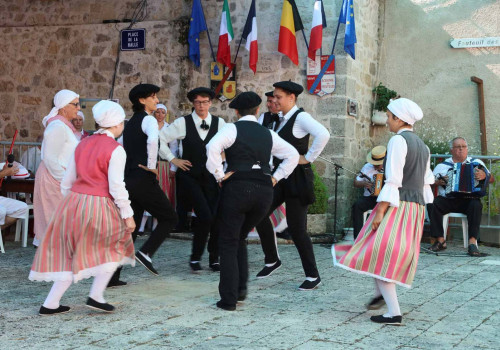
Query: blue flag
{"points": [[197, 25], [347, 17]]}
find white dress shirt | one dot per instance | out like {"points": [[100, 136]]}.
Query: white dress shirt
{"points": [[149, 126], [177, 131], [59, 143], [116, 170], [225, 139], [395, 162], [369, 170], [442, 169], [306, 124]]}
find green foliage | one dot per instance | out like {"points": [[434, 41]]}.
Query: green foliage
{"points": [[321, 192], [383, 97], [494, 192]]}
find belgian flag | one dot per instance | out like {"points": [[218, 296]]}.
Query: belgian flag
{"points": [[290, 23]]}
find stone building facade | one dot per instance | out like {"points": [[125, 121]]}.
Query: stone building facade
{"points": [[51, 45]]}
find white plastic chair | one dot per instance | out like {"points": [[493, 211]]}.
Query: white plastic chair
{"points": [[465, 226], [1, 242], [23, 223], [366, 214]]}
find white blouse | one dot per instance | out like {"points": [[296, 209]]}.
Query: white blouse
{"points": [[306, 124], [116, 170], [395, 162], [226, 138], [59, 143]]}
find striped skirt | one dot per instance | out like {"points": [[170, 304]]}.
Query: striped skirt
{"points": [[167, 183], [85, 237], [46, 198], [389, 253]]}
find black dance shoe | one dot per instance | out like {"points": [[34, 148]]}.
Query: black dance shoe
{"points": [[91, 303], [44, 311], [215, 267], [268, 270], [393, 321], [117, 283], [144, 262], [195, 267], [310, 285], [226, 307], [376, 303], [242, 295]]}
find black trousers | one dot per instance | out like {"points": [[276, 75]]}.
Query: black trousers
{"points": [[472, 207], [242, 205], [182, 206], [145, 193], [203, 193], [296, 218], [358, 208]]}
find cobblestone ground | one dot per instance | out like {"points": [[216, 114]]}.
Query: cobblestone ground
{"points": [[455, 304]]}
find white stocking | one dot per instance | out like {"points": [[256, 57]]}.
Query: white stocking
{"points": [[99, 285], [56, 292], [388, 290], [377, 289]]}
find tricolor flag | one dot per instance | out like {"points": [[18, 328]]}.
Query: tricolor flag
{"points": [[290, 23], [347, 17], [225, 36], [250, 35], [318, 23], [196, 26]]}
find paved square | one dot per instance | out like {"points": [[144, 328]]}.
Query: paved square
{"points": [[454, 304]]}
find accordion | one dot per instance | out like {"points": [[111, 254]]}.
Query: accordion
{"points": [[377, 184], [462, 183]]}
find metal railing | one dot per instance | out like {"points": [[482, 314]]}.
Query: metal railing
{"points": [[26, 153], [489, 161]]}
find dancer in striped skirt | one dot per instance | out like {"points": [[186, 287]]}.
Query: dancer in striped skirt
{"points": [[90, 233], [388, 246], [166, 177]]}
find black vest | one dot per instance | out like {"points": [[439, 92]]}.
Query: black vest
{"points": [[194, 148], [252, 146], [270, 121], [286, 133], [135, 145]]}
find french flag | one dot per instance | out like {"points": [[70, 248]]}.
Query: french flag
{"points": [[318, 23], [250, 35]]}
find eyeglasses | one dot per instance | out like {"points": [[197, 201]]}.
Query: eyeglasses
{"points": [[201, 103], [459, 147], [76, 104]]}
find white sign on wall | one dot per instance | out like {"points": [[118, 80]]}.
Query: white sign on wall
{"points": [[474, 42]]}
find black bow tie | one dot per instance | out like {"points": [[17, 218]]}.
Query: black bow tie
{"points": [[204, 125]]}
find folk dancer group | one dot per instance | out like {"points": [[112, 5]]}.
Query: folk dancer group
{"points": [[234, 176], [98, 189]]}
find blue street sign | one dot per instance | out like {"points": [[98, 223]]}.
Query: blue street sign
{"points": [[133, 39]]}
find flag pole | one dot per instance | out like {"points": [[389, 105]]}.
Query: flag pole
{"points": [[338, 26], [208, 33]]}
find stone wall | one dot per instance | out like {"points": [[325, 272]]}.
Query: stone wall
{"points": [[51, 45]]}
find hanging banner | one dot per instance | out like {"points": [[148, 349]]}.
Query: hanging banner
{"points": [[217, 72], [327, 83]]}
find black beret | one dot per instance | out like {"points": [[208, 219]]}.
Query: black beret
{"points": [[270, 94], [142, 91], [289, 86], [191, 95], [245, 100]]}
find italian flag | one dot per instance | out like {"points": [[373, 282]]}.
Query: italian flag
{"points": [[225, 37]]}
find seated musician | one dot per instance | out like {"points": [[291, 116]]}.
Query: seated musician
{"points": [[375, 159], [443, 205]]}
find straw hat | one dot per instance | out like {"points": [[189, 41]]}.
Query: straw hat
{"points": [[376, 155]]}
